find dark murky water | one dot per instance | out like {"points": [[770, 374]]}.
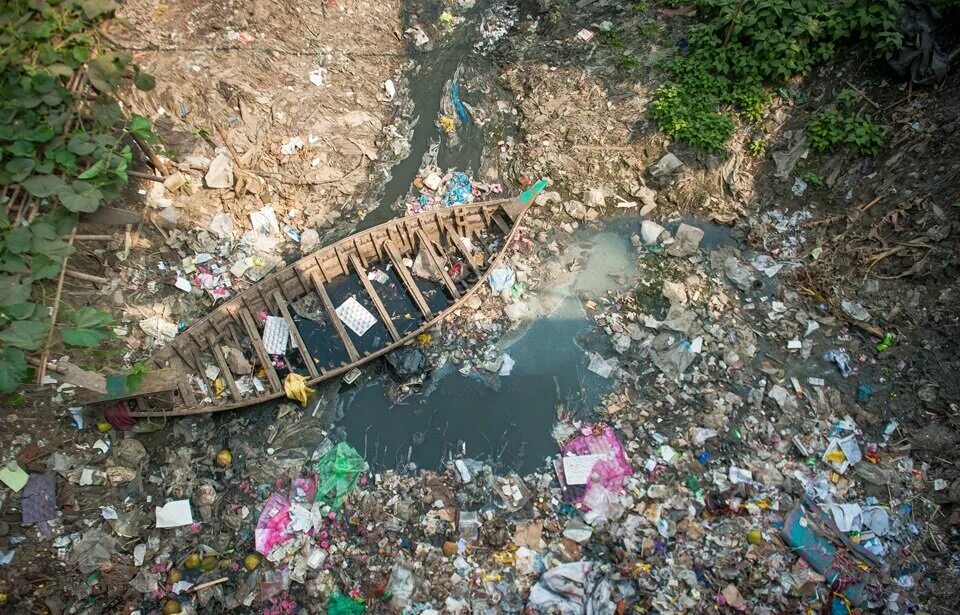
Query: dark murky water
{"points": [[426, 84], [506, 419]]}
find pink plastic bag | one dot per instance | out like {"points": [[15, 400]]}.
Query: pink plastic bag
{"points": [[608, 474], [272, 524]]}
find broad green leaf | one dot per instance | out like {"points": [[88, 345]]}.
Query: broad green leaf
{"points": [[44, 268], [18, 240], [13, 369], [140, 126], [39, 30], [84, 338], [42, 186], [22, 148], [52, 247], [41, 133], [19, 311], [81, 145], [89, 318], [20, 168], [80, 54], [96, 8], [60, 70], [26, 334], [103, 74], [52, 99], [80, 197], [143, 81], [13, 290], [12, 263], [42, 83], [64, 158]]}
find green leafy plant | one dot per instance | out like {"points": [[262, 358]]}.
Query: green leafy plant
{"points": [[698, 125], [136, 375], [831, 129], [67, 161], [757, 147], [649, 28], [743, 46], [814, 180]]}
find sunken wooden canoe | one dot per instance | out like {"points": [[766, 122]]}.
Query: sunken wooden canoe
{"points": [[224, 359]]}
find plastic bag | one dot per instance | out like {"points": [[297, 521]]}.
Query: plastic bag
{"points": [[345, 605], [296, 388], [338, 472]]}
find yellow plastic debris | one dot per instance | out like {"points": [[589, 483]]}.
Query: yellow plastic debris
{"points": [[296, 388], [447, 124], [424, 339]]}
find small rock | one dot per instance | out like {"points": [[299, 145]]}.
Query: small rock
{"points": [[309, 241], [651, 232], [222, 226], [666, 165], [129, 452], [855, 310], [648, 197], [220, 173], [238, 363], [175, 181], [675, 293], [575, 209], [594, 198], [737, 273], [547, 198], [686, 241]]}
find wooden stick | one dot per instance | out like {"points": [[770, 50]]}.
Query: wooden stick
{"points": [[208, 584], [86, 277], [152, 155], [375, 297], [408, 282], [150, 176], [334, 318], [42, 368], [301, 345], [94, 237], [862, 95]]}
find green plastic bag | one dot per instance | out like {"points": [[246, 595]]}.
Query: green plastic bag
{"points": [[345, 605], [338, 472]]}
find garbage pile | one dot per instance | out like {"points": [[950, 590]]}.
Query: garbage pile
{"points": [[437, 189], [713, 476]]}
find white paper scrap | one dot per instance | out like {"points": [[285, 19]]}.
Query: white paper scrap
{"points": [[739, 475], [174, 514], [355, 316], [507, 366], [275, 335], [577, 468]]}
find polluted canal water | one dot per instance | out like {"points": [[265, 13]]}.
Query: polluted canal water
{"points": [[505, 420]]}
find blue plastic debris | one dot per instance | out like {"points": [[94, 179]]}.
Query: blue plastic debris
{"points": [[458, 104], [459, 189], [800, 534]]}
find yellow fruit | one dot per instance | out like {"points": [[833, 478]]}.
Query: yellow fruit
{"points": [[192, 561], [174, 575], [755, 537], [251, 561], [224, 458], [209, 563], [172, 607], [104, 426]]}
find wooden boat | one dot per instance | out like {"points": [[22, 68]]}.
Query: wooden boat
{"points": [[452, 240]]}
